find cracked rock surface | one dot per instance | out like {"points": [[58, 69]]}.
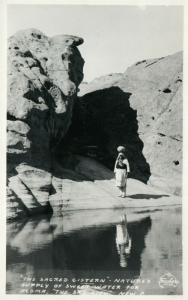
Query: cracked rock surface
{"points": [[142, 109], [43, 78]]}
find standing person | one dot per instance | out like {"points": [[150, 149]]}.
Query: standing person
{"points": [[121, 171]]}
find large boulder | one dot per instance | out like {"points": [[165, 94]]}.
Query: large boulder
{"points": [[43, 78], [141, 109]]}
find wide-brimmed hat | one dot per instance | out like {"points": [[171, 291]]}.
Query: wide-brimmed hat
{"points": [[121, 149]]}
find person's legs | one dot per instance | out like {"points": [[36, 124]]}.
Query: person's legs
{"points": [[120, 190], [124, 187], [124, 191]]}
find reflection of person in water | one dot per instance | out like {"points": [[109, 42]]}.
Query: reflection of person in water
{"points": [[123, 241]]}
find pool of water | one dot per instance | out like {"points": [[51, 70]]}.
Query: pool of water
{"points": [[78, 253]]}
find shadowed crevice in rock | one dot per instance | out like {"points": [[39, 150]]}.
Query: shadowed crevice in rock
{"points": [[102, 120], [31, 193], [147, 196]]}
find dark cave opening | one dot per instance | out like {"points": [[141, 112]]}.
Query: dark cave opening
{"points": [[103, 120]]}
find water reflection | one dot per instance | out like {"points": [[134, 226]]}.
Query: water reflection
{"points": [[123, 241], [96, 247], [29, 235], [51, 245]]}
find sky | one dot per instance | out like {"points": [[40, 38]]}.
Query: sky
{"points": [[115, 37]]}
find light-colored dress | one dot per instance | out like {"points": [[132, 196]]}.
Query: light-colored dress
{"points": [[121, 174], [123, 241]]}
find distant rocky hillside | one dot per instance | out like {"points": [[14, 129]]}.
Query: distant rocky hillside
{"points": [[142, 109], [43, 78]]}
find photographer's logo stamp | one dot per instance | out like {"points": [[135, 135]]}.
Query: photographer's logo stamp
{"points": [[168, 280]]}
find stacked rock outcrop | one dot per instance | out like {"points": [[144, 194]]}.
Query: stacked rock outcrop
{"points": [[43, 78]]}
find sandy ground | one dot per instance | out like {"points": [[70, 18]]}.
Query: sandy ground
{"points": [[90, 185]]}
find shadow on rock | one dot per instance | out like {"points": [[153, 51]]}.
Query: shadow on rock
{"points": [[147, 196]]}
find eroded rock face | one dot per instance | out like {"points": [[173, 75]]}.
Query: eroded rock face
{"points": [[142, 109], [43, 78]]}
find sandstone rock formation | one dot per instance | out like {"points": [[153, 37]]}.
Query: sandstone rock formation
{"points": [[48, 124], [43, 78], [142, 109]]}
